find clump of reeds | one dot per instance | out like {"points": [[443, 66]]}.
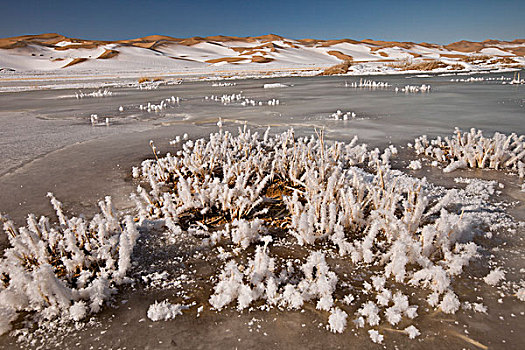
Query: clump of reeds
{"points": [[341, 68], [476, 58]]}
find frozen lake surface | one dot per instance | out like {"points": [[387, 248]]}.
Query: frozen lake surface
{"points": [[42, 123], [48, 144]]}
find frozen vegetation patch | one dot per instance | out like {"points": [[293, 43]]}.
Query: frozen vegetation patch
{"points": [[473, 150], [413, 89], [370, 84], [162, 105], [97, 93], [66, 269], [96, 121], [249, 197], [223, 84], [241, 100], [414, 165], [338, 115], [164, 311], [278, 221]]}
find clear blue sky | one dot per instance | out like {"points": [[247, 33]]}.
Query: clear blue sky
{"points": [[433, 21]]}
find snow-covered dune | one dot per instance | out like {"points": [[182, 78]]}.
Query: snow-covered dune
{"points": [[56, 53]]}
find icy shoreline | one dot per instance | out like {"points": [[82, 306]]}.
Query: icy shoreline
{"points": [[15, 82]]}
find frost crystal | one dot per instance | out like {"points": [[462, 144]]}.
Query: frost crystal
{"points": [[414, 165], [520, 294], [450, 303], [337, 320], [375, 336], [494, 277], [412, 332], [164, 310]]}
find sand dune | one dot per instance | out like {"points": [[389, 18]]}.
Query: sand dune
{"points": [[45, 52]]}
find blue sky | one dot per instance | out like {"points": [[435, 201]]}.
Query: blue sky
{"points": [[432, 21]]}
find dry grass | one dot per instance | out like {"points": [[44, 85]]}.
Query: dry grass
{"points": [[407, 64], [401, 64], [456, 66], [476, 58], [505, 60], [341, 68], [148, 79], [427, 65]]}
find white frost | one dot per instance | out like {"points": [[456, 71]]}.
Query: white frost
{"points": [[337, 320], [494, 276], [164, 310]]}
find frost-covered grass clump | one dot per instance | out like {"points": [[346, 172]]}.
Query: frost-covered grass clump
{"points": [[164, 311], [240, 99], [65, 269], [222, 84], [473, 150], [96, 93], [413, 88], [368, 84], [260, 194], [162, 105], [338, 115]]}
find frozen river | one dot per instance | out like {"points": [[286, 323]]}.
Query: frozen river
{"points": [[48, 144]]}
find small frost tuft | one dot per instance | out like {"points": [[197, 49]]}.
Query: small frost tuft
{"points": [[337, 320], [165, 310], [494, 277], [375, 336], [412, 332]]}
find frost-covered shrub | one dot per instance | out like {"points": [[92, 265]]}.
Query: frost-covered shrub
{"points": [[473, 150], [239, 177], [65, 269], [331, 199], [261, 281]]}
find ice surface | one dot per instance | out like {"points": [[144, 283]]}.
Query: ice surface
{"points": [[389, 116]]}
